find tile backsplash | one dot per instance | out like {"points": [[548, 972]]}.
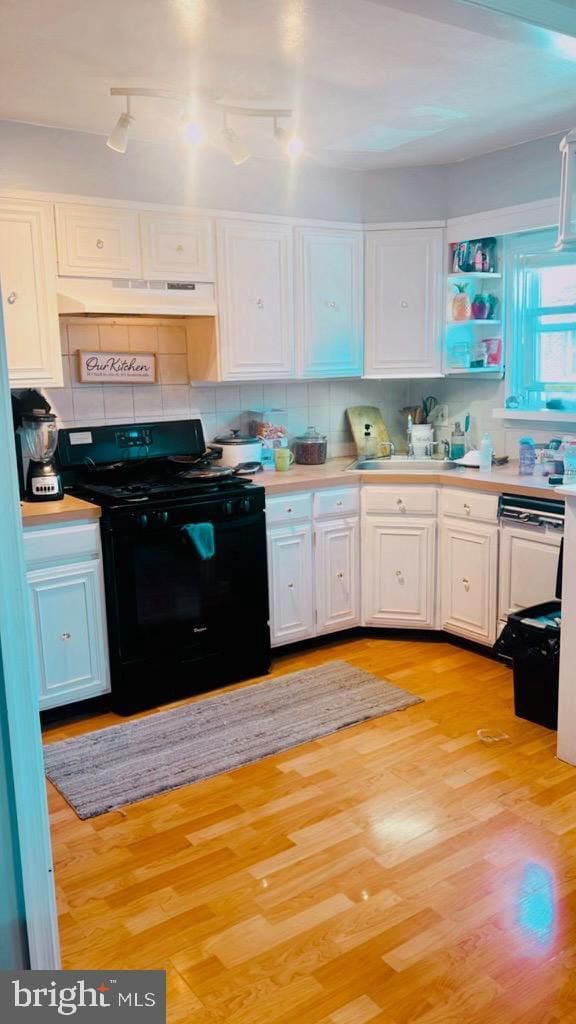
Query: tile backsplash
{"points": [[295, 405]]}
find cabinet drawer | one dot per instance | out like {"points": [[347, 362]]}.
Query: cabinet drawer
{"points": [[336, 501], [177, 247], [97, 241], [288, 508], [400, 500], [470, 505], [60, 543]]}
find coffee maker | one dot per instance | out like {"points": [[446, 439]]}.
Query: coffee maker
{"points": [[36, 440]]}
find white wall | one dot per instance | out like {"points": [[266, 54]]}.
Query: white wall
{"points": [[55, 160]]}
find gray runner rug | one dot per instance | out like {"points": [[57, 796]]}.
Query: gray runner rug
{"points": [[118, 765]]}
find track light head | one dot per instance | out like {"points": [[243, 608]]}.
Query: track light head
{"points": [[236, 149], [290, 145], [118, 138]]}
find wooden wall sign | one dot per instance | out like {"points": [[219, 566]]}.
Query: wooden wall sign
{"points": [[117, 367]]}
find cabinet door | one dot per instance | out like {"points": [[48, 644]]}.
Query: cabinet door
{"points": [[255, 300], [528, 567], [337, 566], [403, 303], [68, 610], [469, 562], [398, 572], [97, 241], [291, 583], [28, 282], [329, 302], [176, 247]]}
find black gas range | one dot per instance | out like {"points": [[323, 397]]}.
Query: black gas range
{"points": [[184, 549]]}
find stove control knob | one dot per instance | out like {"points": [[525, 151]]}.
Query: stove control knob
{"points": [[163, 518], [227, 508], [142, 520], [245, 504]]}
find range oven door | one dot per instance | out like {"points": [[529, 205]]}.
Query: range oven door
{"points": [[165, 603]]}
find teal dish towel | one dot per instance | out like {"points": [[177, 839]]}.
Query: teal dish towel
{"points": [[201, 537]]}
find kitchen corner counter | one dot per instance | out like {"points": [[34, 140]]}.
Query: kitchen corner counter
{"points": [[502, 479], [69, 509]]}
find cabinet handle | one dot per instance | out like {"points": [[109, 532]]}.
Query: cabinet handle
{"points": [[11, 299], [466, 584], [99, 243], [66, 636], [260, 303], [290, 586], [179, 248], [401, 505], [339, 575], [467, 509]]}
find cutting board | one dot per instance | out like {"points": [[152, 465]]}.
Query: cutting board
{"points": [[358, 416]]}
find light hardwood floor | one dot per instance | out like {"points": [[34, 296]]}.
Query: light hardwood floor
{"points": [[398, 871]]}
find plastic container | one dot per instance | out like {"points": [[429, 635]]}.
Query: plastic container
{"points": [[486, 451], [310, 449], [457, 442], [526, 456]]}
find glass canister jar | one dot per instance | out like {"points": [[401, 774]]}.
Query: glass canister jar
{"points": [[310, 448]]}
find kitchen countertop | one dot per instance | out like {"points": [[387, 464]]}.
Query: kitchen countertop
{"points": [[69, 509], [502, 479]]}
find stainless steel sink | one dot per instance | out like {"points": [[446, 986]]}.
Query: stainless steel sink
{"points": [[402, 463]]}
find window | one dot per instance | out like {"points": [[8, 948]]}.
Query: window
{"points": [[540, 305]]}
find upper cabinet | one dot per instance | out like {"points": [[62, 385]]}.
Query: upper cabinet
{"points": [[97, 241], [177, 247], [329, 302], [28, 283], [255, 300], [404, 290]]}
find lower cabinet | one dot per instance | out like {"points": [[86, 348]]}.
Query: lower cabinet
{"points": [[337, 574], [469, 579], [68, 611], [528, 567], [291, 583], [398, 572]]}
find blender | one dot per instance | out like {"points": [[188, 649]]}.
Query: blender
{"points": [[38, 435]]}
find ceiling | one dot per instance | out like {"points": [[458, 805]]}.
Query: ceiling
{"points": [[372, 83]]}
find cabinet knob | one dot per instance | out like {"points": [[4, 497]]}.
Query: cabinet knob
{"points": [[331, 304], [467, 509], [339, 575], [179, 248], [466, 584], [11, 298], [339, 504], [99, 243], [403, 304], [66, 636], [401, 505], [290, 586], [289, 510], [260, 303], [398, 572]]}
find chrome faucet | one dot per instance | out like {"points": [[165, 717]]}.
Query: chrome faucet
{"points": [[391, 448]]}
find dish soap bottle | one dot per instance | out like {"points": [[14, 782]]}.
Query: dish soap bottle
{"points": [[486, 450], [457, 442]]}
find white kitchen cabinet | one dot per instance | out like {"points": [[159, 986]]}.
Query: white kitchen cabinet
{"points": [[255, 300], [329, 302], [176, 247], [97, 241], [404, 288], [398, 571], [28, 283], [65, 581], [290, 569], [337, 574], [469, 579], [528, 567]]}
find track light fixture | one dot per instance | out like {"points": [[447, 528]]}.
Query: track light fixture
{"points": [[236, 149], [118, 138]]}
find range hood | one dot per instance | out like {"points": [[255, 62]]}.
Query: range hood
{"points": [[135, 297]]}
